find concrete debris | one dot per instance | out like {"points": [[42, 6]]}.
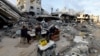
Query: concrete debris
{"points": [[75, 39]]}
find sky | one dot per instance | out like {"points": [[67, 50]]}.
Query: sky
{"points": [[88, 6]]}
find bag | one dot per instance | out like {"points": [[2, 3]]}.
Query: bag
{"points": [[43, 42]]}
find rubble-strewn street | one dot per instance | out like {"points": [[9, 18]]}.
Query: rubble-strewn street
{"points": [[13, 47], [49, 28]]}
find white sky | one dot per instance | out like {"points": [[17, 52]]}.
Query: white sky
{"points": [[89, 6]]}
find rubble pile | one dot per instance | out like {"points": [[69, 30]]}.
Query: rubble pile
{"points": [[87, 43], [74, 39]]}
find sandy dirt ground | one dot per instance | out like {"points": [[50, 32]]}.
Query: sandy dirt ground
{"points": [[11, 47]]}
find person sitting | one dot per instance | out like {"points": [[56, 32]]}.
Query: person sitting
{"points": [[54, 32], [51, 31], [38, 30]]}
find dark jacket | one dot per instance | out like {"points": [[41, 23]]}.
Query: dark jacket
{"points": [[38, 29], [24, 32], [52, 29]]}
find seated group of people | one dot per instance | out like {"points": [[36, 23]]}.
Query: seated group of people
{"points": [[25, 30], [51, 32]]}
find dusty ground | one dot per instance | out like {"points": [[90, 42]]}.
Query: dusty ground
{"points": [[11, 47]]}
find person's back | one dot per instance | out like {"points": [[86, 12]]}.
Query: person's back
{"points": [[38, 28], [24, 31], [52, 29], [38, 31], [25, 35]]}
